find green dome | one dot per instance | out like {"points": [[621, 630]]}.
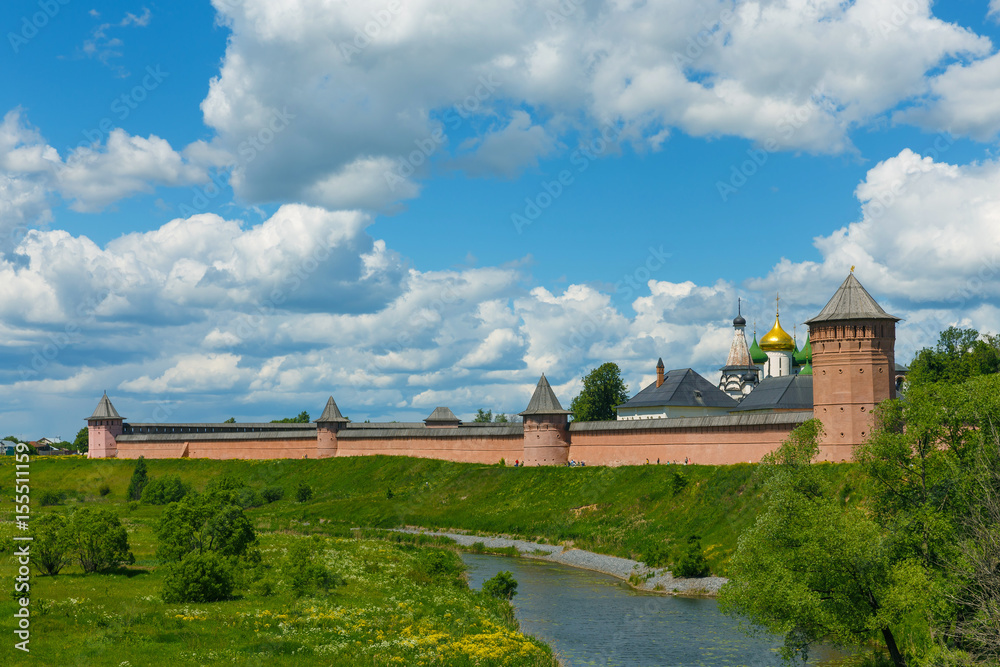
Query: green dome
{"points": [[806, 369], [756, 354], [805, 355]]}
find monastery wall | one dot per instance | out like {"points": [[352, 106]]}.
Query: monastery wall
{"points": [[462, 444], [701, 440]]}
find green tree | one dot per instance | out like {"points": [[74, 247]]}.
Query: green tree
{"points": [[199, 577], [164, 490], [603, 389], [98, 540], [303, 493], [231, 420], [305, 569], [814, 569], [487, 416], [960, 354], [202, 523], [50, 548], [692, 563], [140, 477], [502, 585], [302, 418]]}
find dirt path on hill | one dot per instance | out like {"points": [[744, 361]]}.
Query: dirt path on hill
{"points": [[657, 580]]}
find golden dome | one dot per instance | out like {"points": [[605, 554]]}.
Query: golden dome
{"points": [[777, 339]]}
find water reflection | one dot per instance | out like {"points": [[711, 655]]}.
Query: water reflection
{"points": [[593, 619]]}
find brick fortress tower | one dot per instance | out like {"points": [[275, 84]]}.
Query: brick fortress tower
{"points": [[546, 428], [327, 426], [853, 366], [103, 427]]}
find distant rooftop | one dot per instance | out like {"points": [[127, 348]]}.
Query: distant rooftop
{"points": [[681, 388], [851, 302]]}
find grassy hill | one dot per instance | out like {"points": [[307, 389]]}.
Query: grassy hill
{"points": [[644, 512]]}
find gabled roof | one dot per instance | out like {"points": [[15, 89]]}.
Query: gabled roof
{"points": [[331, 413], [681, 388], [105, 410], [543, 401], [851, 302], [788, 392], [442, 415]]}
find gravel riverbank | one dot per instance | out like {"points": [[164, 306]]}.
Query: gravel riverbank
{"points": [[649, 579]]}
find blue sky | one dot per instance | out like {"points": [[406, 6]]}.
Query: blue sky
{"points": [[239, 208]]}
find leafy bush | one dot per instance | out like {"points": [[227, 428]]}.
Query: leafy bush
{"points": [[98, 540], [139, 480], [203, 523], [678, 481], [656, 555], [164, 490], [199, 577], [502, 585], [49, 549], [303, 493], [692, 563], [305, 570], [272, 494], [49, 497], [439, 566], [478, 547], [104, 489], [249, 497]]}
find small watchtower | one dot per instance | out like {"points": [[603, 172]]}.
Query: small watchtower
{"points": [[327, 425], [546, 428], [103, 427], [853, 361]]}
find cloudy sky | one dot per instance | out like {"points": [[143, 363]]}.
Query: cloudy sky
{"points": [[239, 208]]}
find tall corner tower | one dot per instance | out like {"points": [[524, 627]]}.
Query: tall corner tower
{"points": [[853, 361], [103, 429], [546, 428], [327, 425]]}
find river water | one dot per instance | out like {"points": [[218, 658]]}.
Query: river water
{"points": [[590, 618]]}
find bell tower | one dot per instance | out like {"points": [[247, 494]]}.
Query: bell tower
{"points": [[103, 427], [853, 364]]}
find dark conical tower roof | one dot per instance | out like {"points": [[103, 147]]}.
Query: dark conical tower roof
{"points": [[331, 413], [852, 302], [543, 401], [105, 410]]}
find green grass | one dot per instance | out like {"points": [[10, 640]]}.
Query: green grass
{"points": [[627, 511], [399, 606]]}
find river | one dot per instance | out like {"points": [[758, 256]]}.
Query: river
{"points": [[590, 618]]}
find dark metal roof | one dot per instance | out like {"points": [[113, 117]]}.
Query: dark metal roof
{"points": [[851, 302], [544, 401], [442, 415], [681, 388], [285, 434], [331, 413], [221, 427], [789, 392], [464, 431], [105, 410], [711, 421]]}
